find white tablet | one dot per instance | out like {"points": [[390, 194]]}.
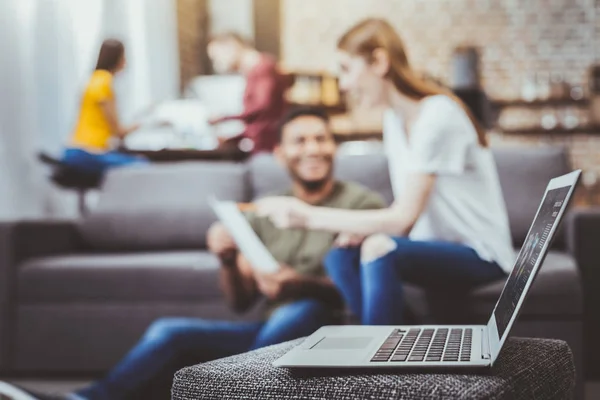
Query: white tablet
{"points": [[244, 236]]}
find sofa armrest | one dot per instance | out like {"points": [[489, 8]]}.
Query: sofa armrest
{"points": [[584, 244], [20, 241]]}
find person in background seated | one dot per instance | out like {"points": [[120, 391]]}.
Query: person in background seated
{"points": [[300, 297], [264, 101], [447, 229], [90, 146]]}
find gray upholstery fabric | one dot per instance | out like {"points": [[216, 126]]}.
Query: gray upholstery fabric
{"points": [[161, 206], [162, 276], [524, 174], [369, 170], [583, 241], [555, 292], [91, 337], [526, 369], [19, 241]]}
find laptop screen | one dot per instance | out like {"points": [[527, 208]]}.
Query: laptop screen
{"points": [[529, 256]]}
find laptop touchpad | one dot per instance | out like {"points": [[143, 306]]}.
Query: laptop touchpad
{"points": [[342, 343]]}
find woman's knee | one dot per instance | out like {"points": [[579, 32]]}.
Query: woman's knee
{"points": [[376, 246]]}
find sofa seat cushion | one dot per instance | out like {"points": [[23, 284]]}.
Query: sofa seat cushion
{"points": [[555, 293], [164, 276]]}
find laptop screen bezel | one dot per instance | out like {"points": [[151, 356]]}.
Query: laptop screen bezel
{"points": [[495, 341]]}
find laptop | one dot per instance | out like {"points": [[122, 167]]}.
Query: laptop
{"points": [[442, 346]]}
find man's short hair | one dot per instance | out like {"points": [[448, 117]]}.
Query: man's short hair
{"points": [[302, 111], [231, 37]]}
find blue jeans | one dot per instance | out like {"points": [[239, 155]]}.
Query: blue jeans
{"points": [[374, 290], [170, 344], [99, 163]]}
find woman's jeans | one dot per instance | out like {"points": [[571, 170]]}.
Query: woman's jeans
{"points": [[374, 290]]}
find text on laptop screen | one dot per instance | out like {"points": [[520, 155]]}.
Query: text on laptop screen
{"points": [[528, 257]]}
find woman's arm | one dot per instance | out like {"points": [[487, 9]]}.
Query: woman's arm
{"points": [[109, 109], [396, 220]]}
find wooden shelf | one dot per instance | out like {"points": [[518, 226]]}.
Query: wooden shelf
{"points": [[590, 130], [330, 109], [357, 136], [563, 102]]}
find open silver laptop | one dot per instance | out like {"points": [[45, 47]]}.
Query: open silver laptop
{"points": [[436, 345]]}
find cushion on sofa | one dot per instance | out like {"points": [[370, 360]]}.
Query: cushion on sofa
{"points": [[161, 206], [524, 174], [120, 277], [370, 170], [555, 291]]}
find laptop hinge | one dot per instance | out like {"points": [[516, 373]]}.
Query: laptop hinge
{"points": [[485, 344]]}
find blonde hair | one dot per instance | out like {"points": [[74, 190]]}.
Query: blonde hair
{"points": [[372, 34]]}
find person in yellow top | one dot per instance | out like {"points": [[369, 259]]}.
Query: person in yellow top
{"points": [[90, 146]]}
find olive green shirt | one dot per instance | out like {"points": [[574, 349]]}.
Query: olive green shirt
{"points": [[303, 249]]}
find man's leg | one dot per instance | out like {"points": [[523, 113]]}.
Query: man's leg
{"points": [[343, 267], [161, 348], [294, 320], [387, 263]]}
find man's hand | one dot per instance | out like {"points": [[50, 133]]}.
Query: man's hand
{"points": [[349, 240], [220, 242], [279, 285], [215, 120]]}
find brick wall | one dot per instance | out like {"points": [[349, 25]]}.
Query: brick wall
{"points": [[514, 37]]}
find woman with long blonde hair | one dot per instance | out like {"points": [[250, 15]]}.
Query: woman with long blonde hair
{"points": [[448, 226]]}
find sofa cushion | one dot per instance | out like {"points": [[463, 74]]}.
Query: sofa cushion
{"points": [[524, 174], [556, 292], [370, 170], [165, 276], [161, 206]]}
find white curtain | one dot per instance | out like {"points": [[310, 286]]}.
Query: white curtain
{"points": [[48, 50]]}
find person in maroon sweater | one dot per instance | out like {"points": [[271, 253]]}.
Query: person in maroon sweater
{"points": [[264, 101]]}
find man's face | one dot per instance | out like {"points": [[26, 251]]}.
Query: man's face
{"points": [[225, 56], [307, 149]]}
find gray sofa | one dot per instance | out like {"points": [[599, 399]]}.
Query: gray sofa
{"points": [[75, 295]]}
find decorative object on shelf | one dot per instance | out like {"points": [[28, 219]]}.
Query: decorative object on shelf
{"points": [[330, 92], [465, 68], [559, 89], [548, 120], [529, 88], [543, 90], [595, 94]]}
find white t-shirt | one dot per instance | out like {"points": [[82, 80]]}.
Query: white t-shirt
{"points": [[466, 204]]}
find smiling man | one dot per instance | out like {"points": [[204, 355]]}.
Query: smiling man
{"points": [[300, 297]]}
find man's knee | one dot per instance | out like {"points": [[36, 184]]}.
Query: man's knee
{"points": [[163, 330], [376, 246]]}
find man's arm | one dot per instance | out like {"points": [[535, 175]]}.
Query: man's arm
{"points": [[235, 276], [237, 283], [263, 88], [287, 284]]}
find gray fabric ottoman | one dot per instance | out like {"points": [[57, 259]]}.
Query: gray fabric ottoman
{"points": [[526, 369]]}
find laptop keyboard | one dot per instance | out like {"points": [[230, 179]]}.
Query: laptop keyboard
{"points": [[426, 345]]}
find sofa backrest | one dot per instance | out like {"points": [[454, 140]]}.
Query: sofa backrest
{"points": [[161, 206], [164, 206]]}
